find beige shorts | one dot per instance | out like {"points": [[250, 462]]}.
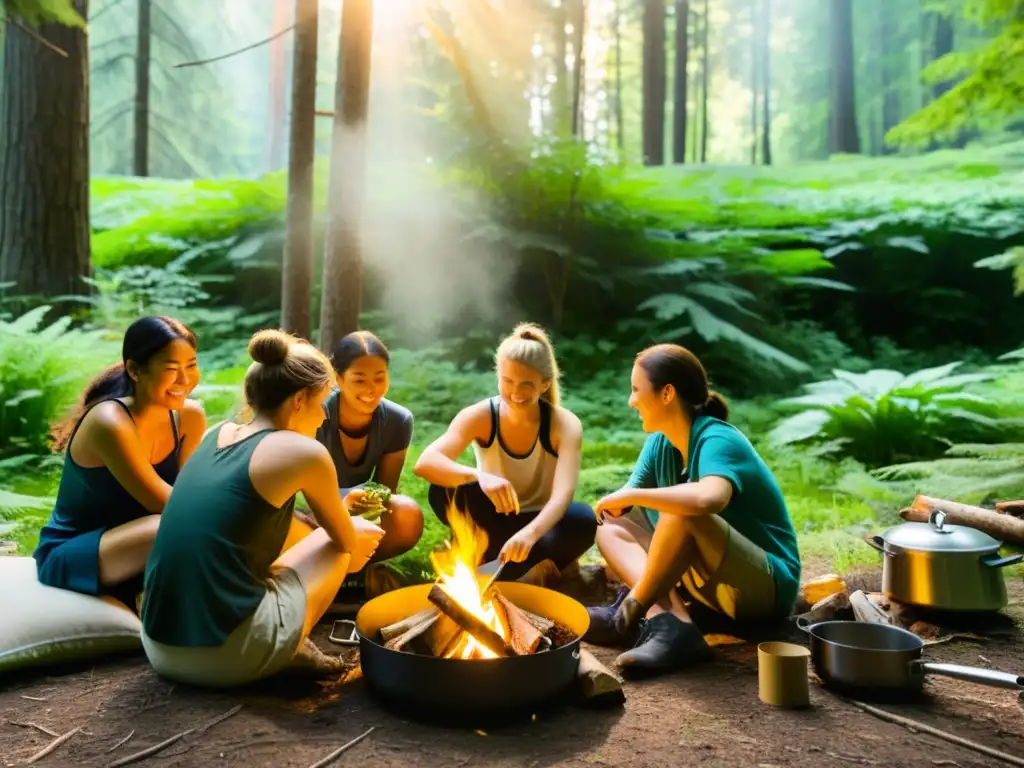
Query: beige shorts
{"points": [[259, 647], [740, 587]]}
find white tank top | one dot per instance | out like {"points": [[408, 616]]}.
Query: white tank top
{"points": [[532, 474]]}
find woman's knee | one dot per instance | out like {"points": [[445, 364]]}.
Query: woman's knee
{"points": [[611, 534]]}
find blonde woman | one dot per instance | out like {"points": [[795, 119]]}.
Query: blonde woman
{"points": [[527, 449]]}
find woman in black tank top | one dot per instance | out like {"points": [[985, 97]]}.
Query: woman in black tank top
{"points": [[123, 447]]}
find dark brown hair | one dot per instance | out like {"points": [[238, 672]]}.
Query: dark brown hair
{"points": [[356, 345], [284, 365], [667, 364], [142, 341]]}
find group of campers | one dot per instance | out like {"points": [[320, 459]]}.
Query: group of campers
{"points": [[195, 526]]}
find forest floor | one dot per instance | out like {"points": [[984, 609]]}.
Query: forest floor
{"points": [[706, 716]]}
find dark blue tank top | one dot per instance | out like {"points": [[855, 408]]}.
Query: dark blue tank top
{"points": [[91, 498]]}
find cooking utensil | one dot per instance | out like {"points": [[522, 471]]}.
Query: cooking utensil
{"points": [[494, 568], [438, 688], [949, 567], [864, 655]]}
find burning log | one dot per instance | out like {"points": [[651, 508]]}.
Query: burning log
{"points": [[403, 626], [520, 632], [599, 686], [482, 633], [543, 625], [1004, 527], [436, 632]]}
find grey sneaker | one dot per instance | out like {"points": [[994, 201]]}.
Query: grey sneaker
{"points": [[665, 643], [607, 627]]}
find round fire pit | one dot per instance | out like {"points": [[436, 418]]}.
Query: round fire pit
{"points": [[430, 687]]}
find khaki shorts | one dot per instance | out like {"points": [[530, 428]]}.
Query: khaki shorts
{"points": [[259, 647], [741, 587]]}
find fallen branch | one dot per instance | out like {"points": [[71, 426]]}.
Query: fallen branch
{"points": [[122, 741], [270, 39], [53, 745], [34, 698], [1002, 526], [151, 750], [220, 719], [914, 725], [334, 755], [38, 727]]}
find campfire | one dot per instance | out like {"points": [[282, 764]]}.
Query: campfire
{"points": [[468, 618]]}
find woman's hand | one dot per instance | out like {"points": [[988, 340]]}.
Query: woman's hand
{"points": [[368, 536], [518, 548], [1014, 508], [614, 504], [500, 492]]}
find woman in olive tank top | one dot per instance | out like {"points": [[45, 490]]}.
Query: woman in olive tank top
{"points": [[224, 604], [123, 448], [527, 450]]}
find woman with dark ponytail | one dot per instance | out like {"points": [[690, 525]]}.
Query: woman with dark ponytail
{"points": [[713, 521], [123, 446]]}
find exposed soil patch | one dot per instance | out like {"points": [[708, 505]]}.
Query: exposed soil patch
{"points": [[707, 716]]}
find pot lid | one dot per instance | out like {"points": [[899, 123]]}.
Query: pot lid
{"points": [[937, 536]]}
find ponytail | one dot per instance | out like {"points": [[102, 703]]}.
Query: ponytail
{"points": [[716, 407], [110, 383], [530, 345]]}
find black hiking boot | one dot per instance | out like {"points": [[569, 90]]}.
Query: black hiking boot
{"points": [[665, 643]]}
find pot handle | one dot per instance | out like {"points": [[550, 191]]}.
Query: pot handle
{"points": [[803, 623], [975, 675], [877, 542], [993, 561]]}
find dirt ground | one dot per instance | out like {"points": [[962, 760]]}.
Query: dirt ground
{"points": [[707, 716]]}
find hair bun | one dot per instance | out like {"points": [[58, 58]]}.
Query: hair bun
{"points": [[269, 347], [716, 406]]}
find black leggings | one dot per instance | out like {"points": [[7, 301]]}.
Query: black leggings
{"points": [[571, 537]]}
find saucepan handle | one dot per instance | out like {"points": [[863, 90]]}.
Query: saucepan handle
{"points": [[1001, 562], [975, 675], [803, 623], [877, 542]]}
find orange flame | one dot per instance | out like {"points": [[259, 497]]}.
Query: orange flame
{"points": [[456, 574]]}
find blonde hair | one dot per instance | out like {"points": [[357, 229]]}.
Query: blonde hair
{"points": [[529, 344], [282, 365]]}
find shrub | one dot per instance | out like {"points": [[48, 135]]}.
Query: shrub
{"points": [[883, 416], [43, 369]]}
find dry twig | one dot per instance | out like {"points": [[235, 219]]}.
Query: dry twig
{"points": [[151, 750], [38, 38], [34, 698], [913, 725], [53, 745], [37, 726], [334, 755], [220, 719], [122, 741]]}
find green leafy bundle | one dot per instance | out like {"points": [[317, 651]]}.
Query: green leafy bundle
{"points": [[373, 504]]}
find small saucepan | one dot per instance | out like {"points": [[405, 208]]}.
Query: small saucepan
{"points": [[866, 656]]}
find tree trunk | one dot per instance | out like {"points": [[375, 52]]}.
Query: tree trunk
{"points": [[620, 133], [579, 70], [704, 87], [890, 78], [278, 67], [44, 177], [140, 166], [562, 96], [682, 55], [766, 75], [843, 136], [341, 300], [755, 62], [942, 43], [654, 81], [297, 268]]}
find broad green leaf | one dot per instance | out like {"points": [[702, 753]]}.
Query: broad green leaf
{"points": [[795, 262], [929, 375], [909, 243], [799, 427], [818, 282]]}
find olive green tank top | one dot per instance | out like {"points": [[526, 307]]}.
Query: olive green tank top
{"points": [[211, 557]]}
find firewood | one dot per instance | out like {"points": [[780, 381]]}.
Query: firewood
{"points": [[865, 609], [401, 641], [816, 590], [403, 626], [480, 631], [521, 633], [828, 608], [1004, 527], [599, 686], [544, 626], [441, 634]]}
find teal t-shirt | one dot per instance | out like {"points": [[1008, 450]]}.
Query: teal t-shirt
{"points": [[757, 508]]}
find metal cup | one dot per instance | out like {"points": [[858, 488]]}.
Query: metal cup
{"points": [[782, 675]]}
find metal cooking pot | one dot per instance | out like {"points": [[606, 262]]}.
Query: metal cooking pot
{"points": [[476, 689], [866, 656], [950, 567]]}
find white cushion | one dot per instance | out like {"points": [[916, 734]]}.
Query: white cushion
{"points": [[41, 625]]}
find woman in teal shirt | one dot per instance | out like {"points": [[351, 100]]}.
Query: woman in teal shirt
{"points": [[714, 521]]}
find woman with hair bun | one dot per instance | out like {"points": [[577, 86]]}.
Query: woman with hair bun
{"points": [[224, 604], [123, 445], [527, 449], [714, 522]]}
